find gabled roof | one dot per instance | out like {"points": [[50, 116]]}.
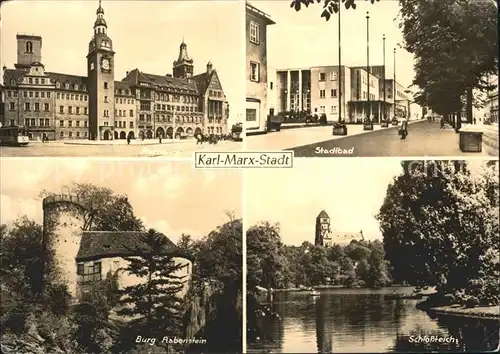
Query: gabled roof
{"points": [[109, 244], [136, 76], [323, 214]]}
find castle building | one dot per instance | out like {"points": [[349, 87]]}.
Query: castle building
{"points": [[325, 237], [84, 257], [62, 106]]}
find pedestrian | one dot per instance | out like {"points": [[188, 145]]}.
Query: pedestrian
{"points": [[128, 140], [442, 123], [159, 138], [475, 121]]}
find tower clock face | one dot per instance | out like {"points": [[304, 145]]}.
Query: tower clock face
{"points": [[105, 64]]}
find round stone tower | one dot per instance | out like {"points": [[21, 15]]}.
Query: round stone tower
{"points": [[63, 224]]}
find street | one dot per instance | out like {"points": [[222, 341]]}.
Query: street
{"points": [[59, 149], [424, 139]]}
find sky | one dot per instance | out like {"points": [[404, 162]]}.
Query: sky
{"points": [[145, 35], [350, 190], [305, 39], [172, 197]]}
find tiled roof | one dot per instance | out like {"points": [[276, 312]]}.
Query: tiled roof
{"points": [[109, 244], [168, 83], [66, 78], [203, 80], [121, 88], [323, 214], [62, 78]]}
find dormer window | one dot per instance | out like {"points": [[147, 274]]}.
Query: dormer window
{"points": [[13, 82], [75, 86], [29, 47], [66, 86], [58, 84], [84, 88]]}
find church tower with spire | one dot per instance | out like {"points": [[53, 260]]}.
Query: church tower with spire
{"points": [[183, 66], [100, 82], [323, 230]]}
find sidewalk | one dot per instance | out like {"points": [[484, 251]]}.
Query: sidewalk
{"points": [[117, 142]]}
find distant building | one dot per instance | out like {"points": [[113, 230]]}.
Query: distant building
{"points": [[325, 237], [257, 81], [316, 89], [491, 103], [96, 107]]}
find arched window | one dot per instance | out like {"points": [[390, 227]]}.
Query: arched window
{"points": [[29, 47]]}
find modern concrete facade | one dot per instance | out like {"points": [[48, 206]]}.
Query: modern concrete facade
{"points": [[61, 106], [316, 89], [256, 68]]}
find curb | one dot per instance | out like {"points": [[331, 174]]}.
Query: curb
{"points": [[144, 144]]}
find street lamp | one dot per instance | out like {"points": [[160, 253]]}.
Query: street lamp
{"points": [[368, 124], [394, 86], [340, 125], [368, 61], [385, 106]]}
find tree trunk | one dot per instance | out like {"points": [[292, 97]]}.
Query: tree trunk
{"points": [[470, 111], [458, 125]]}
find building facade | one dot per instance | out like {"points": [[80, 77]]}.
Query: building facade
{"points": [[83, 258], [491, 103], [256, 68], [326, 237], [316, 89], [62, 106]]}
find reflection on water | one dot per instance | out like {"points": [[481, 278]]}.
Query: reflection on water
{"points": [[360, 320]]}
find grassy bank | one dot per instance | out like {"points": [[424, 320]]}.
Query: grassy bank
{"points": [[484, 312]]}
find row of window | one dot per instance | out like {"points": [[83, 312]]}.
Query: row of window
{"points": [[45, 122], [28, 107], [163, 107], [123, 113], [215, 93], [364, 80], [333, 109], [166, 97], [333, 76], [125, 100], [333, 93], [43, 81], [122, 124], [77, 135]]}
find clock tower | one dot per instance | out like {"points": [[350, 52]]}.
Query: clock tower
{"points": [[323, 231], [101, 78]]}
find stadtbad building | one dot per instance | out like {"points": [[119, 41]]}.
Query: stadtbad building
{"points": [[96, 107]]}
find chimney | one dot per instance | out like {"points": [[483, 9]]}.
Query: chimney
{"points": [[209, 68], [126, 74]]}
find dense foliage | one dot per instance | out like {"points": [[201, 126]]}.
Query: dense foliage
{"points": [[440, 227], [271, 264]]}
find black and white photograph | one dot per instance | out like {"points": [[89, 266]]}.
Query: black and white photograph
{"points": [[372, 78], [387, 255], [121, 78], [120, 257]]}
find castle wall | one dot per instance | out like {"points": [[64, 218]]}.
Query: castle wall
{"points": [[63, 223]]}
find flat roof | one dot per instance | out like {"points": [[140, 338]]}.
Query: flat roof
{"points": [[259, 13]]}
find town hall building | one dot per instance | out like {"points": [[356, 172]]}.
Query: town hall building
{"points": [[96, 107]]}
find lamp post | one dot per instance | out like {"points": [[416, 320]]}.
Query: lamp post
{"points": [[369, 111], [394, 86], [385, 107], [339, 77]]}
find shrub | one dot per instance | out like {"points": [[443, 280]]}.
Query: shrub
{"points": [[472, 302], [449, 299], [17, 318]]}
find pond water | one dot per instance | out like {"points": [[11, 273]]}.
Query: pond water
{"points": [[361, 320]]}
